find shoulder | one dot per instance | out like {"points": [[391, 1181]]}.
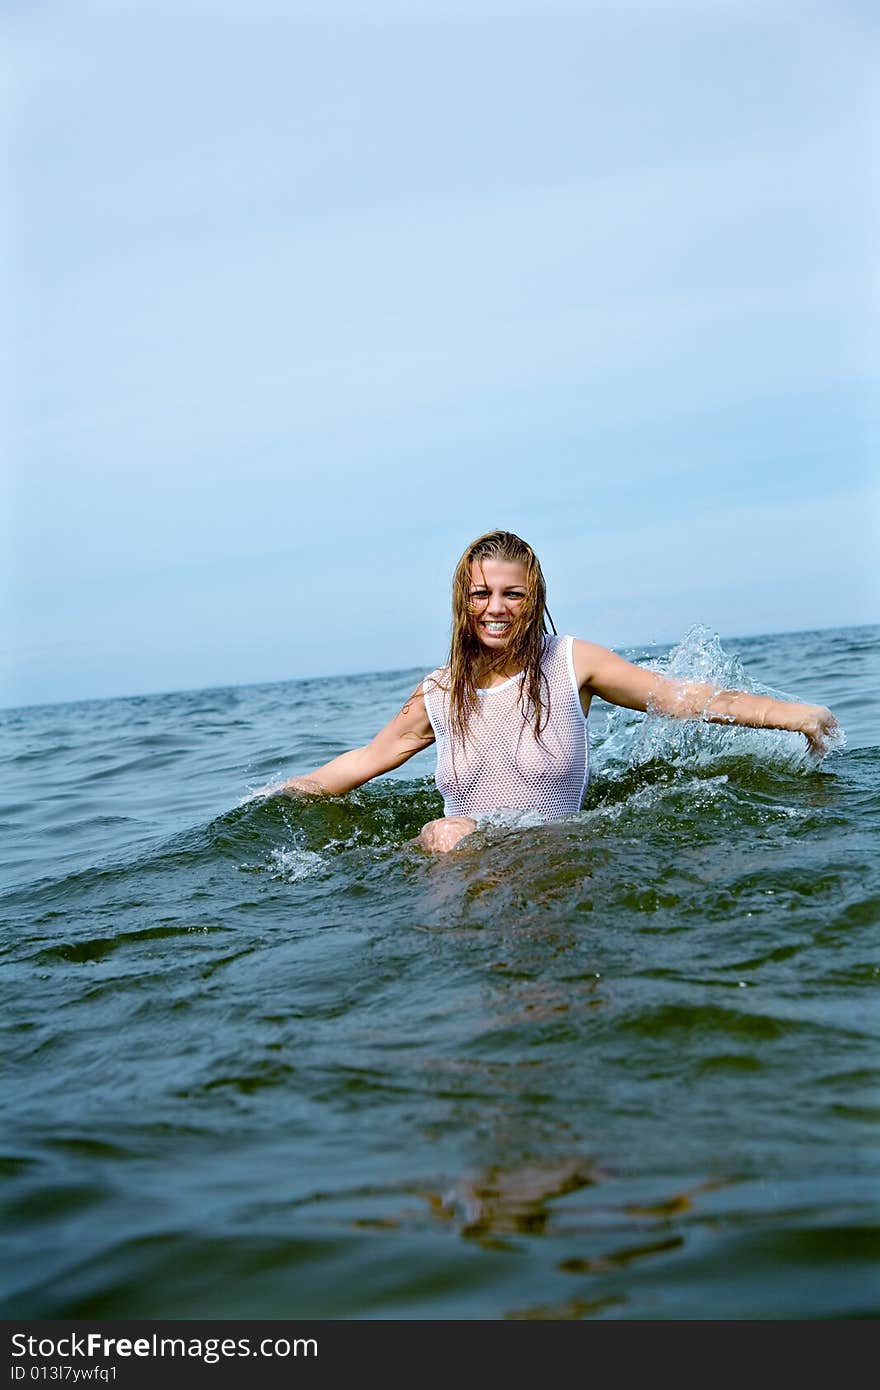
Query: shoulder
{"points": [[589, 660], [434, 692], [605, 673], [435, 680]]}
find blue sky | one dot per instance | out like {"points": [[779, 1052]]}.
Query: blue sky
{"points": [[300, 298]]}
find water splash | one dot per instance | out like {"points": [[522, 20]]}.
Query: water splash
{"points": [[292, 864], [262, 793], [630, 740], [697, 793], [700, 656]]}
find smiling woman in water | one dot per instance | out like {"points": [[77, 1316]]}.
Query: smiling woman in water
{"points": [[508, 711]]}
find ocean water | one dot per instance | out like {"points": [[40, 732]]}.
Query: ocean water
{"points": [[265, 1058]]}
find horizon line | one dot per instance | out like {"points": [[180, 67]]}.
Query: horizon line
{"points": [[387, 671]]}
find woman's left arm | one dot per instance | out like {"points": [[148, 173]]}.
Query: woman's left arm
{"points": [[634, 687]]}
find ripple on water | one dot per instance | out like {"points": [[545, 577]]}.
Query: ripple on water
{"points": [[269, 1057]]}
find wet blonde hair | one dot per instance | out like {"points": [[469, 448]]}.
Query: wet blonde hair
{"points": [[468, 659]]}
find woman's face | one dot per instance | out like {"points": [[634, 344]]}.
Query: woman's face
{"points": [[497, 592]]}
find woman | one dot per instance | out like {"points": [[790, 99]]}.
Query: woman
{"points": [[508, 711]]}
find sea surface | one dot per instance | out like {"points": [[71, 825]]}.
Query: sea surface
{"points": [[265, 1058]]}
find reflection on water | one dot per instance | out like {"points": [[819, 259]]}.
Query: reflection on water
{"points": [[512, 1201]]}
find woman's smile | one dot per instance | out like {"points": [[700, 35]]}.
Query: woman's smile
{"points": [[497, 592]]}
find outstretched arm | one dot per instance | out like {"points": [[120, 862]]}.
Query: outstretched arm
{"points": [[407, 734], [604, 673]]}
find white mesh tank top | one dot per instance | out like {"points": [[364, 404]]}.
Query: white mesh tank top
{"points": [[502, 766]]}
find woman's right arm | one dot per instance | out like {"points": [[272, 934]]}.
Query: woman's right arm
{"points": [[407, 734]]}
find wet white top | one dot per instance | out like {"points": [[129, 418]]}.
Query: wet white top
{"points": [[502, 766]]}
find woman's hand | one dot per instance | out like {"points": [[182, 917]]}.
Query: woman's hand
{"points": [[296, 786], [820, 728], [302, 786]]}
